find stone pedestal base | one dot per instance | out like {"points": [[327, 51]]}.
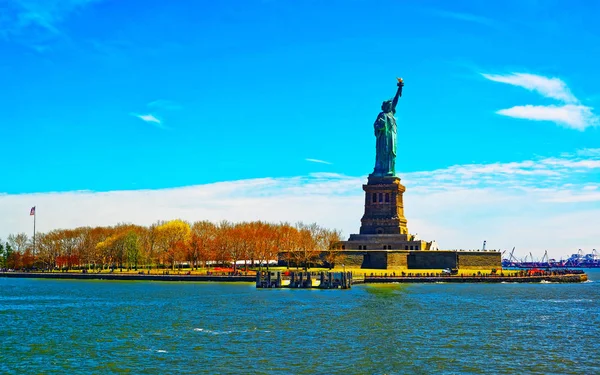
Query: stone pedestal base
{"points": [[384, 207]]}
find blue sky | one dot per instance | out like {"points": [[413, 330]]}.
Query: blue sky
{"points": [[106, 96]]}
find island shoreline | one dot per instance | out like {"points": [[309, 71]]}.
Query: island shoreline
{"points": [[565, 278]]}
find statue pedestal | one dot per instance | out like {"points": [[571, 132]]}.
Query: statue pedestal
{"points": [[384, 207], [383, 241]]}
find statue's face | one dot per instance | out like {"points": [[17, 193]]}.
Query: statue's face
{"points": [[386, 106]]}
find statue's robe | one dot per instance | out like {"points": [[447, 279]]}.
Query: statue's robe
{"points": [[385, 157]]}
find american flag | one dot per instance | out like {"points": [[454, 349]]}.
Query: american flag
{"points": [[32, 212]]}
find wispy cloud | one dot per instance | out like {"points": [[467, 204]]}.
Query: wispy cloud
{"points": [[508, 204], [589, 152], [318, 161], [577, 117], [570, 113], [158, 107], [468, 17], [541, 173], [150, 118], [36, 22], [165, 104], [553, 88]]}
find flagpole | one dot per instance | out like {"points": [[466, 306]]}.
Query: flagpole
{"points": [[34, 215]]}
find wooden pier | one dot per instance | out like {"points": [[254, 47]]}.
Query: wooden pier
{"points": [[301, 279]]}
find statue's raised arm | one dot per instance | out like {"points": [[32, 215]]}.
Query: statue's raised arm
{"points": [[398, 94]]}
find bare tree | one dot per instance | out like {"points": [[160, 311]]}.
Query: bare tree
{"points": [[18, 242]]}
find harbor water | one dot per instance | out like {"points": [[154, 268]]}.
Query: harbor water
{"points": [[145, 327]]}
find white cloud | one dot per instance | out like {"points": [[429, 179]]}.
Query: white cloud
{"points": [[150, 118], [553, 88], [573, 116], [578, 165], [570, 114], [588, 194], [535, 205], [318, 161]]}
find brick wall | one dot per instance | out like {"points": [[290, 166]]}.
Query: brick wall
{"points": [[375, 260], [432, 260], [351, 259], [398, 260], [479, 260]]}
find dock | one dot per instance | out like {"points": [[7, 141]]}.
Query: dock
{"points": [[303, 279]]}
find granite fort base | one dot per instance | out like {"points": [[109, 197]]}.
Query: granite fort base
{"points": [[432, 259]]}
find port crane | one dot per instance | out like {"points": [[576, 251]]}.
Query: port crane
{"points": [[511, 261], [579, 260], [545, 257]]}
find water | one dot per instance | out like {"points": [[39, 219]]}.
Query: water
{"points": [[111, 327]]}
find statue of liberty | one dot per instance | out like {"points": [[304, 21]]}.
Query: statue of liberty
{"points": [[385, 133]]}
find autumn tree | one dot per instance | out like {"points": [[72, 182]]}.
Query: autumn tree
{"points": [[69, 244], [333, 250], [105, 252], [239, 236], [128, 245], [49, 248], [201, 244], [307, 245], [85, 246], [172, 236], [149, 245], [13, 258], [266, 242]]}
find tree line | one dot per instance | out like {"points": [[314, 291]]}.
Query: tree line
{"points": [[170, 244]]}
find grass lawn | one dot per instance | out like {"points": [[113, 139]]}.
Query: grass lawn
{"points": [[379, 272]]}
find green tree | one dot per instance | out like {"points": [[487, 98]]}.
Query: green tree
{"points": [[2, 255], [131, 244], [9, 256]]}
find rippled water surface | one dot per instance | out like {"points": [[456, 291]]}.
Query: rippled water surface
{"points": [[103, 327]]}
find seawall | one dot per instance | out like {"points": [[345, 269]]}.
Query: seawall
{"points": [[127, 277], [568, 278]]}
